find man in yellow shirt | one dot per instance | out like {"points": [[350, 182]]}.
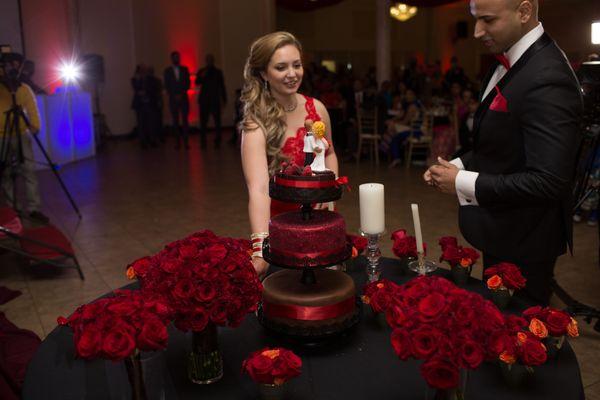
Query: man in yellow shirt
{"points": [[13, 165]]}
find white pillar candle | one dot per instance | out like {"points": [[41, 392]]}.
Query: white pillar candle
{"points": [[418, 233], [372, 208]]}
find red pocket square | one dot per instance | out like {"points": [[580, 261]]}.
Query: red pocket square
{"points": [[499, 103]]}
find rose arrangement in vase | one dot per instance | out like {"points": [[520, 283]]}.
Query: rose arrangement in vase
{"points": [[207, 281], [118, 328], [359, 244], [405, 247], [503, 279], [447, 327], [551, 326], [379, 295], [518, 350], [461, 259], [271, 368]]}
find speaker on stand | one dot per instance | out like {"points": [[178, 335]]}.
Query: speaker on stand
{"points": [[93, 77]]}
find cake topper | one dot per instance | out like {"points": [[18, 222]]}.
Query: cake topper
{"points": [[309, 143], [320, 147]]}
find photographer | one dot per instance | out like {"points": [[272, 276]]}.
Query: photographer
{"points": [[18, 160]]}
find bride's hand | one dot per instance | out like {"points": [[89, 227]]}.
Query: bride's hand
{"points": [[260, 266]]}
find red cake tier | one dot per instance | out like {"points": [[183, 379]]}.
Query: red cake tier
{"points": [[318, 241], [321, 187]]}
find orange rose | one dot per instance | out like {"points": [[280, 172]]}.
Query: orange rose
{"points": [[130, 273], [272, 354], [380, 285], [354, 252], [521, 337], [508, 358], [465, 262], [572, 328], [538, 328], [365, 299], [494, 283]]}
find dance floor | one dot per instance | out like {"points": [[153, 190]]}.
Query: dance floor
{"points": [[134, 201]]}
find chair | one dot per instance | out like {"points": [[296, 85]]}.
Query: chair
{"points": [[43, 244], [367, 133], [421, 144]]}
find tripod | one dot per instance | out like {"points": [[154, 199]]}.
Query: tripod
{"points": [[12, 131]]}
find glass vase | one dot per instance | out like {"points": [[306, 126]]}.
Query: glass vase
{"points": [[133, 365], [460, 274], [205, 362], [271, 392], [501, 298], [553, 346], [457, 393], [515, 375]]}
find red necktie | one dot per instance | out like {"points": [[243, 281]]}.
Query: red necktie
{"points": [[502, 59]]}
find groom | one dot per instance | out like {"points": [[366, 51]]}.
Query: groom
{"points": [[514, 187]]}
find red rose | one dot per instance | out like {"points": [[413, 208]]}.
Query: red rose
{"points": [[153, 335], [533, 352], [359, 242], [425, 342], [184, 289], [448, 241], [141, 266], [432, 305], [259, 368], [533, 312], [557, 322], [118, 344], [451, 254], [170, 265], [471, 254], [88, 344], [205, 292], [307, 171], [514, 323], [399, 234], [440, 374], [470, 354], [123, 307], [401, 344], [218, 313], [199, 320]]}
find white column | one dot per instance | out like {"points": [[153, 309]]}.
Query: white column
{"points": [[383, 45]]}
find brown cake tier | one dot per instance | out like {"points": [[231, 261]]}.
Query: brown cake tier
{"points": [[325, 306], [319, 241], [319, 188]]}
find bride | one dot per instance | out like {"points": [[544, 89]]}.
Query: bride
{"points": [[273, 128]]}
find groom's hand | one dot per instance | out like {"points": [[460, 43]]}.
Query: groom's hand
{"points": [[443, 176]]}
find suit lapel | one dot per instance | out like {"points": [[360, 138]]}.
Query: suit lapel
{"points": [[484, 105]]}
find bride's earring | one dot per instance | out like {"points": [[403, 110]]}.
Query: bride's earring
{"points": [[266, 84]]}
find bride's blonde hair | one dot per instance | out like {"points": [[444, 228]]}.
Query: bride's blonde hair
{"points": [[260, 108]]}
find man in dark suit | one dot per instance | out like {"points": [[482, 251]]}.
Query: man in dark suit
{"points": [[514, 187], [212, 96], [177, 83]]}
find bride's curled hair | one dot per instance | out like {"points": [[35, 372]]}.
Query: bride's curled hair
{"points": [[260, 108]]}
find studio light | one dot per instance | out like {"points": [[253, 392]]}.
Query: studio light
{"points": [[402, 12], [596, 32], [70, 72]]}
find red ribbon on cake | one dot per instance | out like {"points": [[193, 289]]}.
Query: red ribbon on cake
{"points": [[306, 313], [341, 181]]}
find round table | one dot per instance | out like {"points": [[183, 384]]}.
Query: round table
{"points": [[359, 365]]}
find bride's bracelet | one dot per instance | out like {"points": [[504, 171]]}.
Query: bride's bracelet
{"points": [[257, 240]]}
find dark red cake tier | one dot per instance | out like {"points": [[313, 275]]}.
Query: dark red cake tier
{"points": [[319, 188], [318, 241], [329, 301]]}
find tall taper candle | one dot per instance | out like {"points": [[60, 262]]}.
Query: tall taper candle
{"points": [[418, 234], [372, 208]]}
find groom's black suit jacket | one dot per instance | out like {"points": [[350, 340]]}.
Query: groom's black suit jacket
{"points": [[525, 158]]}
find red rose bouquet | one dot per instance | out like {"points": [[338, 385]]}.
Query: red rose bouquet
{"points": [[447, 327], [203, 278], [117, 327], [461, 259], [551, 326], [404, 245], [504, 276], [359, 244], [518, 347], [272, 366], [379, 295]]}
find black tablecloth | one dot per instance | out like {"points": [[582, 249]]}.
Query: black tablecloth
{"points": [[359, 365]]}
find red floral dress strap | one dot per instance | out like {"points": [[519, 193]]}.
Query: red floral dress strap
{"points": [[311, 111]]}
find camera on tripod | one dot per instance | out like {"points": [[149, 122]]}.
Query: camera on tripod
{"points": [[11, 65]]}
